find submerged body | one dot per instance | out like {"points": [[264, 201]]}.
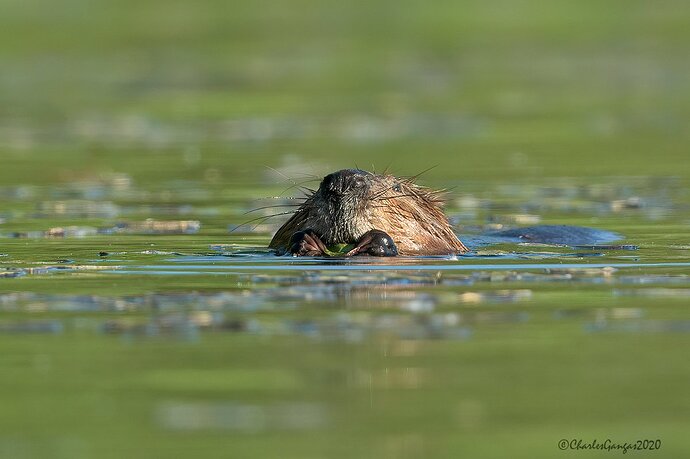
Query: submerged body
{"points": [[377, 214]]}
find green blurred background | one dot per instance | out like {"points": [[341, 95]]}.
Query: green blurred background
{"points": [[170, 89]]}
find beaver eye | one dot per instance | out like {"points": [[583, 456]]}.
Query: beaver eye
{"points": [[397, 188]]}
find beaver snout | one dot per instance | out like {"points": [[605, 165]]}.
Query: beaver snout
{"points": [[343, 181]]}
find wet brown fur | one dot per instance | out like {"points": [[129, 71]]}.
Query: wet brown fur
{"points": [[411, 214]]}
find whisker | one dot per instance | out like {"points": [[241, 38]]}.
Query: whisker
{"points": [[404, 213], [262, 218], [385, 171], [312, 178], [280, 173], [388, 209], [385, 190], [297, 185], [413, 195], [415, 177], [271, 207], [382, 192], [291, 198], [439, 195], [442, 190]]}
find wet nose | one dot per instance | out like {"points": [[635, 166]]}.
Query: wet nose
{"points": [[343, 180]]}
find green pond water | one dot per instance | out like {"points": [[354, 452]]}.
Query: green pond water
{"points": [[141, 315]]}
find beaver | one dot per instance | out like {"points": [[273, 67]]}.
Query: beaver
{"points": [[374, 214]]}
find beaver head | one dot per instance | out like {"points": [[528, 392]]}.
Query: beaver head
{"points": [[350, 202]]}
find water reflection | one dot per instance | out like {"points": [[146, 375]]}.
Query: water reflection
{"points": [[33, 326], [641, 326], [149, 226], [361, 312], [242, 417]]}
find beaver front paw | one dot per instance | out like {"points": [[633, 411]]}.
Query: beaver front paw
{"points": [[306, 244], [376, 243]]}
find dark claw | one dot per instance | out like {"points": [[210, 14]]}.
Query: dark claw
{"points": [[306, 244], [376, 243]]}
